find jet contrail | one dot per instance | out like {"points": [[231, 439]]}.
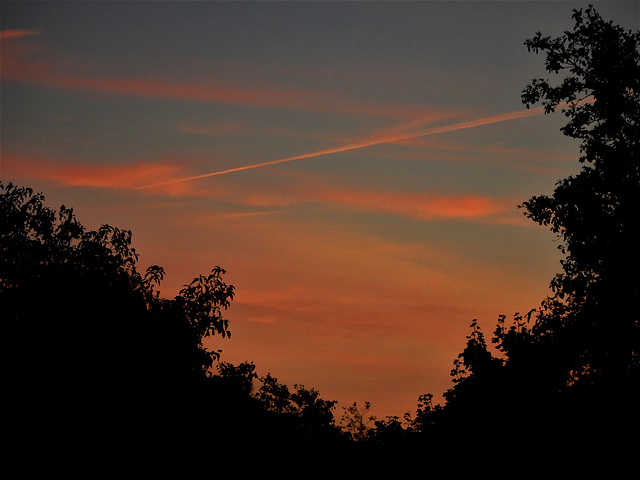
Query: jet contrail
{"points": [[369, 143]]}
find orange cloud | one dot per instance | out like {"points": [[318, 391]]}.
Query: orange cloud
{"points": [[420, 206], [22, 60], [423, 206], [88, 175], [463, 206], [37, 63], [43, 67], [13, 33], [167, 89]]}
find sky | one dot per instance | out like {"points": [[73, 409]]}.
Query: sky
{"points": [[355, 167]]}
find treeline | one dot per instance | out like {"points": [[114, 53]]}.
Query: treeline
{"points": [[95, 352]]}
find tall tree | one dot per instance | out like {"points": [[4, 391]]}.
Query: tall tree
{"points": [[592, 315], [574, 364]]}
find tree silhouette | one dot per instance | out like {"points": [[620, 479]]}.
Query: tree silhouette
{"points": [[572, 368], [94, 351], [298, 418], [97, 354], [356, 420], [594, 212], [93, 347]]}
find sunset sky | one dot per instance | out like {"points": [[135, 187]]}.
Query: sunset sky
{"points": [[356, 167]]}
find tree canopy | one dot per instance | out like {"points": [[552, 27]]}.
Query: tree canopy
{"points": [[89, 332], [574, 364], [97, 352], [594, 212]]}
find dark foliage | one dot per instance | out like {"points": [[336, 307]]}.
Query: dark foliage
{"points": [[570, 370], [595, 213], [97, 362], [96, 353], [92, 348]]}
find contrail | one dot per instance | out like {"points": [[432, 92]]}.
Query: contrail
{"points": [[369, 143]]}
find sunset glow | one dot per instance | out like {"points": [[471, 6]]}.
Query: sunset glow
{"points": [[355, 167]]}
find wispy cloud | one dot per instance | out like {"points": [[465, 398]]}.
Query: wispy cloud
{"points": [[420, 206], [14, 33], [377, 140], [243, 127], [87, 174], [46, 67], [43, 66]]}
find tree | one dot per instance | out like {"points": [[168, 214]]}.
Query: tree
{"points": [[427, 415], [592, 317], [355, 421], [91, 343], [573, 366], [477, 393], [302, 414], [180, 325], [238, 377]]}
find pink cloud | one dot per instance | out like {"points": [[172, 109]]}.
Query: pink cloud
{"points": [[88, 174], [146, 87], [14, 33], [37, 63], [421, 206], [463, 206]]}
